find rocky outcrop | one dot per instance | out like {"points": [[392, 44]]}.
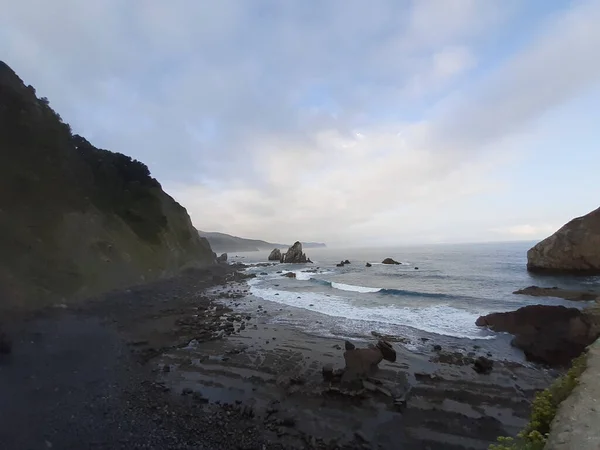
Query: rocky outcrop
{"points": [[275, 255], [368, 264], [222, 258], [552, 335], [76, 220], [361, 362], [575, 248], [575, 296], [289, 275], [295, 255], [389, 261]]}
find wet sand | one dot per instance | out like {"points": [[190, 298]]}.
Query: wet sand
{"points": [[174, 365]]}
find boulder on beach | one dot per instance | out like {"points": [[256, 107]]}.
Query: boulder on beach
{"points": [[389, 261], [275, 255], [552, 335], [483, 365], [294, 254], [575, 248], [222, 258], [361, 362], [567, 294]]}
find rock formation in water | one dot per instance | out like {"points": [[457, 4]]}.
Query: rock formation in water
{"points": [[275, 255], [389, 261], [294, 254], [222, 258], [575, 248], [552, 335], [567, 294], [76, 220]]}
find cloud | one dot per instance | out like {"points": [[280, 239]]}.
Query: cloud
{"points": [[335, 121], [526, 231]]}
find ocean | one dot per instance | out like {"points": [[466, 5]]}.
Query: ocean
{"points": [[435, 295]]}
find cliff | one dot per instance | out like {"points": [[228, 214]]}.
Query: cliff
{"points": [[575, 248], [76, 220]]}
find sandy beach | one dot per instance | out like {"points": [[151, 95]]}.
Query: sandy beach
{"points": [[193, 362]]}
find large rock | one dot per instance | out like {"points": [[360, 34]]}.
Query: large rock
{"points": [[389, 261], [362, 362], [275, 255], [294, 254], [575, 248], [222, 258], [552, 335]]}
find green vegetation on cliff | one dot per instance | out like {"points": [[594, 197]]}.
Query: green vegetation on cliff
{"points": [[543, 409], [76, 220]]}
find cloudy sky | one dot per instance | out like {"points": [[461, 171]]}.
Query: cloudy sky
{"points": [[349, 122]]}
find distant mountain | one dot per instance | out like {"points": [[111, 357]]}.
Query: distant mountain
{"points": [[221, 242]]}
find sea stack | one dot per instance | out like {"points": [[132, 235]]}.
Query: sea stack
{"points": [[294, 254], [575, 248], [275, 255]]}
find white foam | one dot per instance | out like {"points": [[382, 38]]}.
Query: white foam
{"points": [[439, 319], [303, 276], [352, 288]]}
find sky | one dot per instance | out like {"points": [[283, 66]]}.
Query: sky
{"points": [[340, 121]]}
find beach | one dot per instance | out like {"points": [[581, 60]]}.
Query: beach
{"points": [[198, 362]]}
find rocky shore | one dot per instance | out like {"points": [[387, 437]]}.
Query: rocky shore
{"points": [[194, 362]]}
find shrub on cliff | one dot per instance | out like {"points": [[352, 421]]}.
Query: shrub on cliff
{"points": [[543, 410]]}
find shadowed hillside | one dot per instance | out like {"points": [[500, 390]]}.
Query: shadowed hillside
{"points": [[76, 220]]}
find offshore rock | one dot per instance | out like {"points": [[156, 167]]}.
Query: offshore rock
{"points": [[294, 254], [275, 255]]}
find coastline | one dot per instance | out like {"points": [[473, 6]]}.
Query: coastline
{"points": [[261, 384]]}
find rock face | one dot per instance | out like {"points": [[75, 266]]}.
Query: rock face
{"points": [[76, 220], [552, 335], [575, 248], [567, 294], [389, 261], [275, 255], [294, 254], [222, 258]]}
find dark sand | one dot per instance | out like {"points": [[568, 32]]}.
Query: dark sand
{"points": [[156, 367]]}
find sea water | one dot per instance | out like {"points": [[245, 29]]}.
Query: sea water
{"points": [[435, 294]]}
